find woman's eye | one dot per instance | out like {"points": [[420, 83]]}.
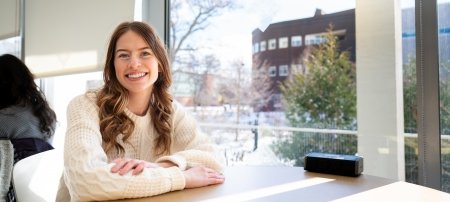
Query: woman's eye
{"points": [[123, 56], [146, 53]]}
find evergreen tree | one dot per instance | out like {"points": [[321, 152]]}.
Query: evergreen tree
{"points": [[409, 96], [326, 93], [322, 97]]}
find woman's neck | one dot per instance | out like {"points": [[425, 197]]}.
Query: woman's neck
{"points": [[138, 103]]}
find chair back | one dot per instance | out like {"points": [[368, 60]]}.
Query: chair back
{"points": [[36, 178]]}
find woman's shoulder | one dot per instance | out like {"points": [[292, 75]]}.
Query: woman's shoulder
{"points": [[180, 111], [86, 99], [177, 106], [14, 109], [89, 96], [17, 110]]}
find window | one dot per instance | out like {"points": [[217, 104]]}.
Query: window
{"points": [[255, 47], [283, 42], [314, 39], [59, 96], [263, 46], [272, 44], [272, 71], [243, 74], [296, 41], [10, 46], [284, 70], [268, 109], [443, 30]]}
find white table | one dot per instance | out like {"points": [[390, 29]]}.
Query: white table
{"points": [[36, 178], [294, 184]]}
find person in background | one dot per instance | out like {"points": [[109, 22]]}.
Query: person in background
{"points": [[26, 119], [130, 139], [25, 116]]}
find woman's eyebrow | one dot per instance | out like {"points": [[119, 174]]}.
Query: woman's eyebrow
{"points": [[119, 50], [143, 48], [147, 47]]}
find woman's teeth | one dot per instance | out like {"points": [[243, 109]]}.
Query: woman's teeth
{"points": [[137, 75]]}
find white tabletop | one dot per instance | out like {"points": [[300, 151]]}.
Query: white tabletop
{"points": [[36, 179], [256, 183]]}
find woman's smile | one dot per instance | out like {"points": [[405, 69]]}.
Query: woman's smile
{"points": [[137, 75]]}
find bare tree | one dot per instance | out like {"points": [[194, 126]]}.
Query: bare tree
{"points": [[232, 82], [245, 88], [262, 86], [204, 95], [189, 17]]}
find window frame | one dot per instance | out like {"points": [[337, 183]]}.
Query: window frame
{"points": [[272, 44], [283, 42]]}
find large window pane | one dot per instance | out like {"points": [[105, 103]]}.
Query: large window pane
{"points": [[410, 103], [60, 90], [10, 46], [409, 89], [230, 66]]}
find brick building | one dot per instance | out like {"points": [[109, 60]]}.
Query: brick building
{"points": [[278, 50]]}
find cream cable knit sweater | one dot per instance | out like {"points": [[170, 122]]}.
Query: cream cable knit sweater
{"points": [[87, 175]]}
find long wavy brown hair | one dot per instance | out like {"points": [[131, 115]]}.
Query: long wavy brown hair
{"points": [[113, 97]]}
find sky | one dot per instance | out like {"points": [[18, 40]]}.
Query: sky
{"points": [[230, 35]]}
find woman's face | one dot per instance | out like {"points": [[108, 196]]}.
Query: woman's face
{"points": [[135, 64]]}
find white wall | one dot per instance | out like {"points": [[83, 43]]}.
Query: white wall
{"points": [[379, 87]]}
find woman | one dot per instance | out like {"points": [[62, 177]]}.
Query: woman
{"points": [[26, 119], [25, 116], [130, 139]]}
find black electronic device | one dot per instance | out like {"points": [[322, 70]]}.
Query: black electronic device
{"points": [[337, 164]]}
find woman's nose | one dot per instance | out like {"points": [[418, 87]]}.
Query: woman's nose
{"points": [[135, 62]]}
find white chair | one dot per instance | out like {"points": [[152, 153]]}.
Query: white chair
{"points": [[36, 178]]}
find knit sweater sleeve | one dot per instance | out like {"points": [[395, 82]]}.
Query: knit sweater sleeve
{"points": [[87, 170], [190, 146]]}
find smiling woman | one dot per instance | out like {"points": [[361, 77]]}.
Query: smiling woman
{"points": [[130, 139]]}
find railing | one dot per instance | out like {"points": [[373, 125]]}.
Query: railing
{"points": [[254, 145]]}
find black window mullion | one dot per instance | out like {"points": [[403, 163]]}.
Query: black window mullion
{"points": [[427, 64]]}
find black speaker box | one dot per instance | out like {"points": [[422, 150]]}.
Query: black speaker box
{"points": [[337, 164]]}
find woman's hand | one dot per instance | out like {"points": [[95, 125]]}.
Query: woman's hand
{"points": [[124, 165], [201, 176]]}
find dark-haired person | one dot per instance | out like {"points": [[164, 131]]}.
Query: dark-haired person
{"points": [[26, 119], [25, 116], [130, 139]]}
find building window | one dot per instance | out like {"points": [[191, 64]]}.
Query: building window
{"points": [[296, 41], [284, 70], [272, 71], [318, 38], [314, 39], [272, 44], [255, 47], [283, 42], [262, 46]]}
